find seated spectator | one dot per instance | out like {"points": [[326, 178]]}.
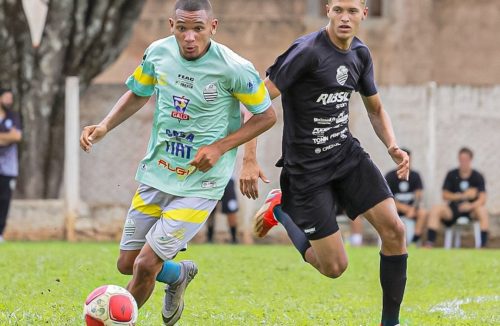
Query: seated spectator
{"points": [[465, 194], [408, 197]]}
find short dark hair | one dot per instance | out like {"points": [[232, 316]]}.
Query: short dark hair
{"points": [[466, 150], [193, 5], [4, 90]]}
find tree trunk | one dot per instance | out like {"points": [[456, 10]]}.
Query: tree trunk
{"points": [[80, 38]]}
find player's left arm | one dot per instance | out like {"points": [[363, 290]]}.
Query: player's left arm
{"points": [[383, 128]]}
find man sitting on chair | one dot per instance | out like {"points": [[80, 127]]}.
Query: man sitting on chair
{"points": [[465, 192], [408, 196]]}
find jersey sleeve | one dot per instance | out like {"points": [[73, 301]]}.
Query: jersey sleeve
{"points": [[249, 89], [290, 66], [418, 182], [367, 86], [142, 82], [481, 184], [448, 182]]}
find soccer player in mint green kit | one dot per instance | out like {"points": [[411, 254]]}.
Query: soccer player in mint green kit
{"points": [[198, 85]]}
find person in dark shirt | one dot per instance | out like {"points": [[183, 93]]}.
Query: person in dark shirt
{"points": [[408, 196], [10, 135], [464, 191], [324, 166]]}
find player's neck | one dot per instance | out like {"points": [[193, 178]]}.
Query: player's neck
{"points": [[465, 173], [342, 44]]}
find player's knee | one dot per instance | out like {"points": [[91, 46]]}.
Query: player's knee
{"points": [[125, 266], [144, 268], [395, 234], [334, 270]]}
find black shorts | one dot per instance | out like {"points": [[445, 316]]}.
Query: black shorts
{"points": [[455, 215], [229, 201], [311, 200]]}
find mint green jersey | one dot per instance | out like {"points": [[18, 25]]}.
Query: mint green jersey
{"points": [[197, 103]]}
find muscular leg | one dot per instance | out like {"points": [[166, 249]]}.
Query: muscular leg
{"points": [[146, 266], [436, 215], [393, 257], [481, 214], [125, 263], [328, 255]]}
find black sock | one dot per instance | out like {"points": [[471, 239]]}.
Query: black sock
{"points": [[484, 238], [415, 238], [233, 234], [210, 233], [393, 281], [295, 234], [431, 235]]}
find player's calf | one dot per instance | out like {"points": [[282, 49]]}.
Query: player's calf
{"points": [[125, 262], [393, 238]]}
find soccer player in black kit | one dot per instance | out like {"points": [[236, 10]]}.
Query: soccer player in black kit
{"points": [[323, 164]]}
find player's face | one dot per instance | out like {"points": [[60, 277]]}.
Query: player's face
{"points": [[464, 161], [345, 17], [6, 100], [192, 30]]}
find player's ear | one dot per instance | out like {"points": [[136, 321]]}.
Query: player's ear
{"points": [[172, 23], [365, 13], [213, 27]]}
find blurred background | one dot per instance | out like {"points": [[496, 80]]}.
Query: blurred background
{"points": [[435, 64]]}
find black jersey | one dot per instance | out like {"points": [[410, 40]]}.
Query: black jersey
{"points": [[455, 183], [404, 191], [316, 80]]}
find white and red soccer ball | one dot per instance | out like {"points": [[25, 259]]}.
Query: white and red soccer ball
{"points": [[110, 305]]}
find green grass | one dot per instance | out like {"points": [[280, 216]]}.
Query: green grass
{"points": [[46, 284]]}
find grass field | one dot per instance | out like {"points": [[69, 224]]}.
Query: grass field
{"points": [[46, 284]]}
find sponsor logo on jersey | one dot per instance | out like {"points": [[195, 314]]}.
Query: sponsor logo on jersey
{"points": [[464, 185], [330, 98], [404, 186], [320, 131], [342, 75], [185, 81], [181, 105], [207, 184], [324, 121], [180, 135], [181, 172], [210, 92], [178, 149]]}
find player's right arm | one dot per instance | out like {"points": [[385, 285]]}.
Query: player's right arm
{"points": [[126, 106], [141, 85]]}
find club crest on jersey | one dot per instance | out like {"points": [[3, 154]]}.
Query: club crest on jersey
{"points": [[210, 92], [342, 75], [181, 105]]}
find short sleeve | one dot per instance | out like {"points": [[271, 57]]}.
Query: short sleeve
{"points": [[142, 81], [16, 121], [367, 86], [290, 66], [448, 182], [481, 184], [249, 89]]}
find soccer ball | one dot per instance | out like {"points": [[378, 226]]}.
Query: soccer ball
{"points": [[110, 305]]}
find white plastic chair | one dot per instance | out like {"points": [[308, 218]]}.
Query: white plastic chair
{"points": [[453, 234]]}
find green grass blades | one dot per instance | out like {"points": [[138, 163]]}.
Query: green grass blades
{"points": [[47, 283]]}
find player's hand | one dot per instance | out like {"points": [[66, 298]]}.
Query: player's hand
{"points": [[470, 193], [91, 135], [401, 158], [465, 207], [206, 157], [249, 179]]}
